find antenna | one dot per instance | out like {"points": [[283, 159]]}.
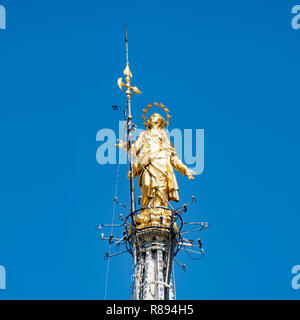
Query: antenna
{"points": [[130, 129], [126, 42], [130, 125]]}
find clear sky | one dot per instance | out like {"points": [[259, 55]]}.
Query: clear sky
{"points": [[228, 67]]}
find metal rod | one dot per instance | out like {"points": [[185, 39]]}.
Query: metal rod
{"points": [[197, 223], [129, 133], [182, 266], [126, 42], [195, 230], [115, 254], [193, 251], [129, 140]]}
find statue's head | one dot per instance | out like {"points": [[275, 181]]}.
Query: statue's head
{"points": [[156, 120]]}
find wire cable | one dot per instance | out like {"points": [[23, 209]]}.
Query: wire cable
{"points": [[112, 221], [174, 282], [111, 231]]}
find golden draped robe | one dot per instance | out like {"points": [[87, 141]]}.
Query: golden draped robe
{"points": [[154, 158]]}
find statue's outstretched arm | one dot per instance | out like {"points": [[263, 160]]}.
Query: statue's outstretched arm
{"points": [[178, 165], [123, 144], [136, 146]]}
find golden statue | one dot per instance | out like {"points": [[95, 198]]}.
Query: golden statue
{"points": [[154, 159]]}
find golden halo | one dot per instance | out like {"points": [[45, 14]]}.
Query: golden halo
{"points": [[156, 104]]}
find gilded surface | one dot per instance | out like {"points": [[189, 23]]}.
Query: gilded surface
{"points": [[154, 161], [127, 85]]}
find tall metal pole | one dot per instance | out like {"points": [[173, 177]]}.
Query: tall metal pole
{"points": [[152, 279], [130, 129]]}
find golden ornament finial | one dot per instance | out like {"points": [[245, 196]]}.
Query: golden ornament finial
{"points": [[128, 75]]}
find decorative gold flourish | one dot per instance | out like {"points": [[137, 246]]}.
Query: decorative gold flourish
{"points": [[154, 217], [127, 85]]}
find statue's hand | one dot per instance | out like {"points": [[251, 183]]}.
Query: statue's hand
{"points": [[128, 174], [122, 144], [189, 173]]}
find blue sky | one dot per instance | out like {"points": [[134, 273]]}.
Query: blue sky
{"points": [[228, 67]]}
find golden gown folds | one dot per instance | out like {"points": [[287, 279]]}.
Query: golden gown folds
{"points": [[154, 158]]}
